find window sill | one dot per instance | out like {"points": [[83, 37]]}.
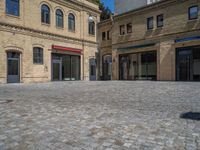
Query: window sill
{"points": [[192, 20], [72, 31], [60, 28], [45, 24], [160, 27], [92, 35], [39, 64], [13, 16]]}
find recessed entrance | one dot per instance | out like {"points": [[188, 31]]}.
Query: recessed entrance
{"points": [[65, 67], [13, 67], [188, 62]]}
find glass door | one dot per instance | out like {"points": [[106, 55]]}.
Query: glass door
{"points": [[57, 69], [13, 61], [184, 58], [75, 68]]}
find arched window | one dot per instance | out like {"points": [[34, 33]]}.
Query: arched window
{"points": [[45, 14], [91, 27], [71, 22], [12, 7], [37, 55], [59, 18]]}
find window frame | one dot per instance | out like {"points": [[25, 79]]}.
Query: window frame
{"points": [[189, 14], [38, 57], [148, 19], [122, 30], [44, 18], [127, 30], [159, 26], [71, 20], [59, 16], [12, 13]]}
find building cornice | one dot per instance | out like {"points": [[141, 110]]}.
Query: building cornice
{"points": [[42, 34]]}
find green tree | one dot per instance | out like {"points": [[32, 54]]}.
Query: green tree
{"points": [[105, 11]]}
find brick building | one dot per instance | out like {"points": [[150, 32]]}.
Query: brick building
{"points": [[156, 42], [45, 40]]}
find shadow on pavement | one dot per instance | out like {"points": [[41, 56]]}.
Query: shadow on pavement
{"points": [[191, 116]]}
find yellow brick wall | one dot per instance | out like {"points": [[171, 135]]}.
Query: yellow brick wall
{"points": [[24, 32]]}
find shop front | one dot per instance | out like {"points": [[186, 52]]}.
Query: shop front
{"points": [[138, 66], [188, 63], [66, 67]]}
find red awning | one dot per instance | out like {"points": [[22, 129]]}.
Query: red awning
{"points": [[75, 50]]}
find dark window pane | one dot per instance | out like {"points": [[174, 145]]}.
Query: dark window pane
{"points": [[122, 29], [129, 28], [92, 28], [37, 55], [160, 21], [108, 35], [193, 12], [45, 14], [103, 36], [12, 7], [150, 23], [71, 22], [59, 18]]}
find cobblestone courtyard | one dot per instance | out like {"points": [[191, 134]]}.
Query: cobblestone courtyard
{"points": [[99, 115]]}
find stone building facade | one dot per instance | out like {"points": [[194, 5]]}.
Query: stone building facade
{"points": [[156, 42], [45, 40]]}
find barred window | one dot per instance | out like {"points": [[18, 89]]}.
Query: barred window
{"points": [[37, 55]]}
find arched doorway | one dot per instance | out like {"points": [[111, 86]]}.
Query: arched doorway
{"points": [[13, 67], [107, 67]]}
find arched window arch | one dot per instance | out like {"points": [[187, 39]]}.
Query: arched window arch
{"points": [[71, 22], [45, 14], [12, 7], [59, 18], [37, 55], [91, 27]]}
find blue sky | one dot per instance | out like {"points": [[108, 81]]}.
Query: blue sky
{"points": [[109, 3]]}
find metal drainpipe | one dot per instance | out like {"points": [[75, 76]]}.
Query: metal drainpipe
{"points": [[82, 32]]}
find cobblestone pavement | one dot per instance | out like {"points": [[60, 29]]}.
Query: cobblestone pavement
{"points": [[128, 115]]}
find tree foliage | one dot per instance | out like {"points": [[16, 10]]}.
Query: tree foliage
{"points": [[106, 12]]}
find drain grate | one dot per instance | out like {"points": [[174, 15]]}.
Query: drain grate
{"points": [[5, 101], [191, 116]]}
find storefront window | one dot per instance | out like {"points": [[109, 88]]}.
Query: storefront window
{"points": [[141, 66], [70, 66], [196, 64]]}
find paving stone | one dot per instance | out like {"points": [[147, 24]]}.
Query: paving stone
{"points": [[112, 115]]}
